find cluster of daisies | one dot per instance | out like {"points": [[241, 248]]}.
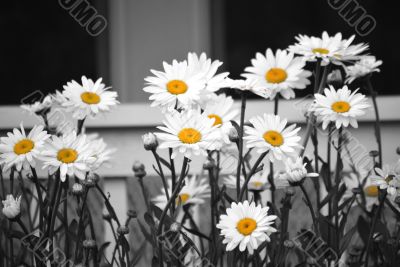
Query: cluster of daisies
{"points": [[66, 151], [200, 118]]}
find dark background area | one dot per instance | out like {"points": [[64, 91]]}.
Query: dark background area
{"points": [[253, 26], [43, 47]]}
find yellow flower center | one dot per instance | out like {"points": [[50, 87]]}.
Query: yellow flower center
{"points": [[274, 138], [341, 106], [276, 75], [90, 98], [189, 136], [24, 146], [182, 198], [246, 226], [371, 191], [257, 184], [67, 155], [218, 119], [322, 51], [177, 87]]}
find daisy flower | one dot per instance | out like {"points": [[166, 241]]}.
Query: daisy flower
{"points": [[341, 106], [220, 110], [269, 133], [366, 65], [39, 107], [88, 99], [71, 154], [327, 48], [386, 179], [279, 73], [20, 150], [371, 191], [296, 171], [209, 68], [194, 192], [188, 132], [99, 151], [176, 86], [246, 225], [258, 182]]}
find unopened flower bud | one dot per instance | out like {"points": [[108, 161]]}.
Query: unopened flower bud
{"points": [[288, 244], [335, 78], [91, 180], [208, 164], [89, 243], [290, 192], [373, 153], [138, 169], [123, 230], [175, 227], [77, 189], [233, 135], [150, 141], [132, 214], [12, 207]]}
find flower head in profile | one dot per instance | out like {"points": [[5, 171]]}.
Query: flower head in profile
{"points": [[341, 107], [40, 107], [246, 226], [279, 73], [386, 179], [87, 99], [195, 191], [248, 85], [363, 67], [269, 133], [222, 112], [258, 182], [178, 86], [189, 133], [295, 171], [208, 69], [369, 189], [11, 207], [20, 150], [329, 49], [70, 154]]}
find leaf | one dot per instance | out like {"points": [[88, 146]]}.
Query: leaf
{"points": [[165, 163], [124, 243], [110, 210], [101, 250], [325, 173], [149, 220], [346, 239]]}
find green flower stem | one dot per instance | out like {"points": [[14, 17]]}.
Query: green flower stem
{"points": [[373, 94], [172, 199], [240, 142], [310, 206], [311, 120], [253, 170], [374, 221]]}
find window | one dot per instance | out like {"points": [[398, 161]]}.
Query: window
{"points": [[42, 48]]}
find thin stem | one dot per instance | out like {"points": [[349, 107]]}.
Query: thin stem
{"points": [[377, 119], [374, 221], [160, 169], [240, 143], [53, 218], [310, 206], [172, 199], [80, 126], [253, 170], [40, 197], [337, 182], [212, 210], [65, 209], [80, 226], [311, 120], [173, 175]]}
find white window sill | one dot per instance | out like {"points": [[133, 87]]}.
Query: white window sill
{"points": [[142, 115]]}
